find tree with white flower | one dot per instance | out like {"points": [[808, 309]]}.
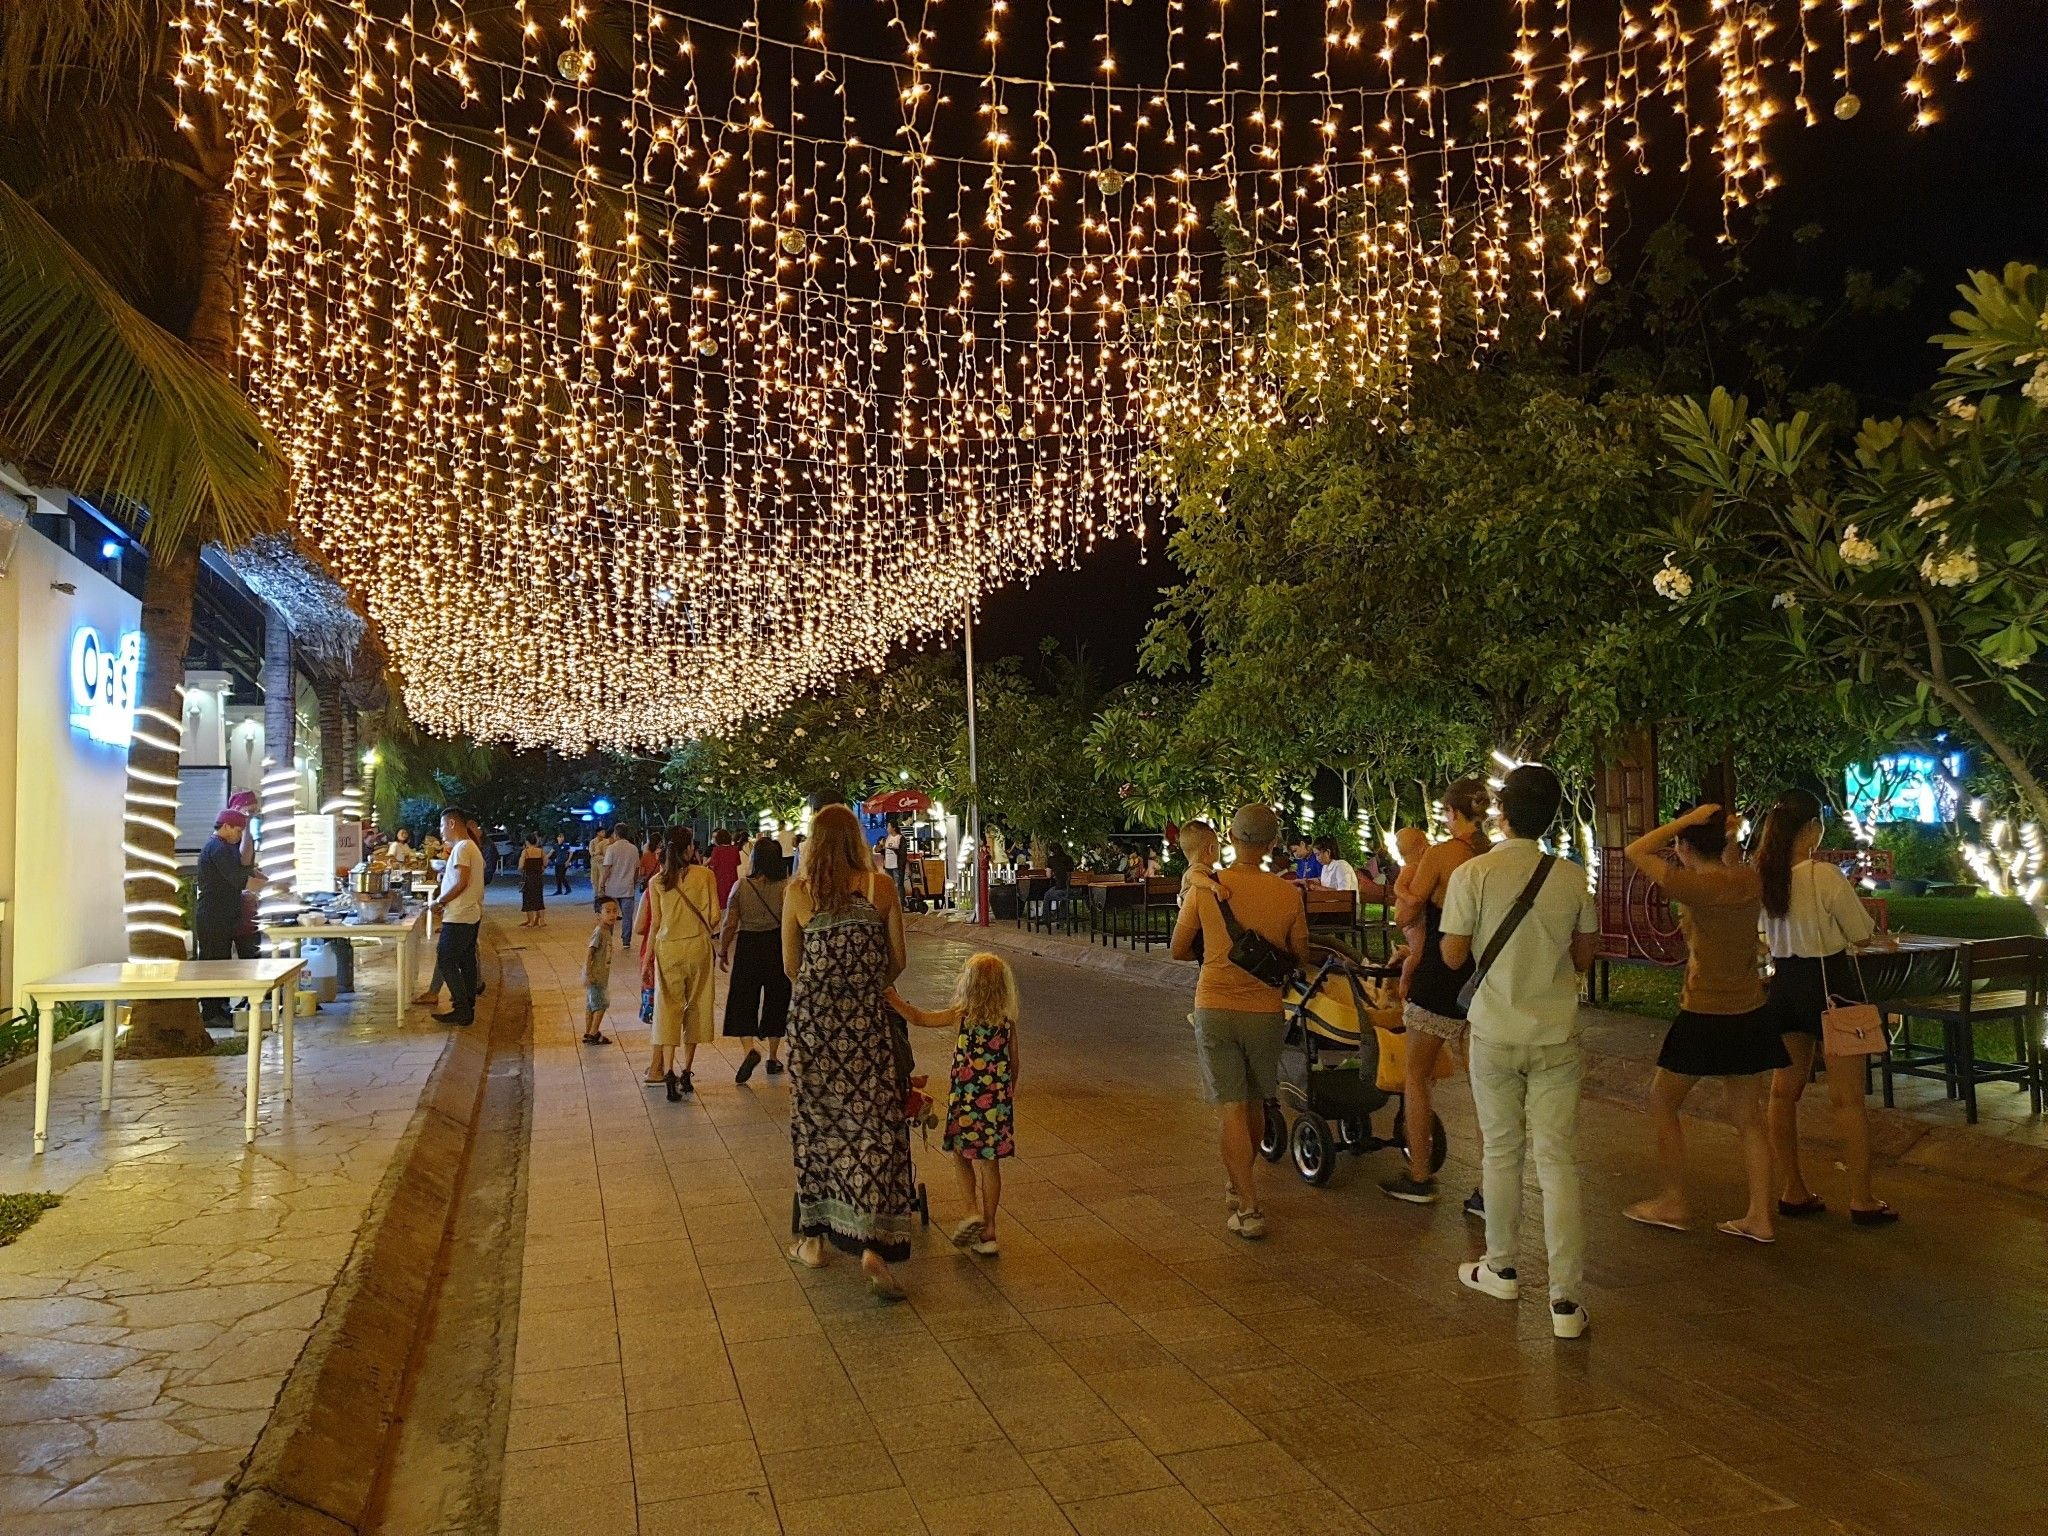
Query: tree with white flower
{"points": [[1907, 571]]}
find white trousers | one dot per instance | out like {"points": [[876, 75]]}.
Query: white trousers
{"points": [[1530, 1094]]}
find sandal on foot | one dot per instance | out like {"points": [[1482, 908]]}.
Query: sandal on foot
{"points": [[1812, 1205], [1655, 1221], [1879, 1215], [795, 1255], [1733, 1230]]}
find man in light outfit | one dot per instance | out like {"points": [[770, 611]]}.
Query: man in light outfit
{"points": [[1526, 1068]]}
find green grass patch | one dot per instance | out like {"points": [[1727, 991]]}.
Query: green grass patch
{"points": [[19, 1212], [236, 1044], [1649, 990]]}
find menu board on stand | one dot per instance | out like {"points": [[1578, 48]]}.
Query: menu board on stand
{"points": [[313, 853], [348, 845]]}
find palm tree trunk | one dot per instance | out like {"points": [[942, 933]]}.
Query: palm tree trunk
{"points": [[333, 738], [155, 922]]}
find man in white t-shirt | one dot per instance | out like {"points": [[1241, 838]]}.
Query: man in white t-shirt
{"points": [[1526, 1068], [460, 903], [892, 855], [617, 878]]}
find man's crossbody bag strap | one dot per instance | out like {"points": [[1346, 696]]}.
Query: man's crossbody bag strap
{"points": [[1506, 930]]}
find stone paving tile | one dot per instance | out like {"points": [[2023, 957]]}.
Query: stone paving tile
{"points": [[147, 1323], [1126, 1368]]}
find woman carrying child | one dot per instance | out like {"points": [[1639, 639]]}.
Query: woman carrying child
{"points": [[979, 1105]]}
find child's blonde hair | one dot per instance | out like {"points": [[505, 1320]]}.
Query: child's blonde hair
{"points": [[986, 992]]}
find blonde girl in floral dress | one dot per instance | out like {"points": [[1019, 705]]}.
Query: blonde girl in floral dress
{"points": [[979, 1120]]}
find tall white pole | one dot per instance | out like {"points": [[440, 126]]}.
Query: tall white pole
{"points": [[975, 876]]}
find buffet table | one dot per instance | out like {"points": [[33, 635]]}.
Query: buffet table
{"points": [[257, 981], [404, 933]]}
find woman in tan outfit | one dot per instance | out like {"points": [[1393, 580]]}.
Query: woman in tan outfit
{"points": [[678, 926]]}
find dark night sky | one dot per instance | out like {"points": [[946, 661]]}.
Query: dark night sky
{"points": [[1970, 192]]}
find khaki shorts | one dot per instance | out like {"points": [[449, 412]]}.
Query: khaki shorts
{"points": [[1239, 1053]]}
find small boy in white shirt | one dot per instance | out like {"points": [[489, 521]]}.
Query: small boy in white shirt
{"points": [[597, 974]]}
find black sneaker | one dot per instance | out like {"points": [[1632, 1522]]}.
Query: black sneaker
{"points": [[450, 1018], [1413, 1191], [747, 1064], [1475, 1206], [775, 1066]]}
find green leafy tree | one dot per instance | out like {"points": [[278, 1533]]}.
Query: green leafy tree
{"points": [[1904, 572]]}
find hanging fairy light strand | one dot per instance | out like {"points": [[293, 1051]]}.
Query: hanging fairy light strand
{"points": [[642, 364]]}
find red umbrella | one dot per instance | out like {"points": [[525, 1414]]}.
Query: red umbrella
{"points": [[896, 801]]}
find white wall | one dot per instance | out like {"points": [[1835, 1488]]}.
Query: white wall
{"points": [[245, 748], [60, 793], [205, 740]]}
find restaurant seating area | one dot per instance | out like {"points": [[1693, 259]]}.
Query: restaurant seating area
{"points": [[1981, 1024]]}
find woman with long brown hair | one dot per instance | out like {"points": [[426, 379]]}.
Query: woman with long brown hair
{"points": [[1431, 1015], [1813, 921], [678, 932], [842, 947]]}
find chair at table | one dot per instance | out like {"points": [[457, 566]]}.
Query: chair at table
{"points": [[1333, 914], [1033, 887], [1158, 909], [1114, 906], [1999, 982]]}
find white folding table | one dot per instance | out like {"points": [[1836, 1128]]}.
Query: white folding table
{"points": [[260, 982], [403, 934]]}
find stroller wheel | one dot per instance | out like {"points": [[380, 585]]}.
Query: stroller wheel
{"points": [[1273, 1143], [1315, 1154], [1439, 1143]]}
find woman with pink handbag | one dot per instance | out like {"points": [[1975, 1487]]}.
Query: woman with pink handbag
{"points": [[1813, 921]]}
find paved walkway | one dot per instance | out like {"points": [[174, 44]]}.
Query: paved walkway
{"points": [[1128, 1368], [147, 1323]]}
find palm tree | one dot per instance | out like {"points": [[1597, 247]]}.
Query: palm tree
{"points": [[117, 345]]}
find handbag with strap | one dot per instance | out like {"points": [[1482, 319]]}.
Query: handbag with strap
{"points": [[1252, 952], [1849, 1027], [1506, 930]]}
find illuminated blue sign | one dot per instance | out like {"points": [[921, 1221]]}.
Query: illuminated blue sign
{"points": [[104, 682], [601, 807]]}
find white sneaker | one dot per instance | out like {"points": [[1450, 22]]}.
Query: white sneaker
{"points": [[1230, 1200], [1249, 1225], [987, 1248], [966, 1231], [1499, 1284], [1568, 1319]]}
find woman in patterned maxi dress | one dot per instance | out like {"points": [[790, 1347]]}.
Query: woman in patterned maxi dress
{"points": [[842, 944]]}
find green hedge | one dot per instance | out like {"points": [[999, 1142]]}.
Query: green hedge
{"points": [[1976, 917]]}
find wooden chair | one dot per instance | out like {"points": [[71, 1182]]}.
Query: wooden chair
{"points": [[1998, 982], [1033, 887], [1158, 910], [1113, 906], [1332, 912]]}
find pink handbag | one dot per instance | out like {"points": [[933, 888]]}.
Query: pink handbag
{"points": [[1851, 1029]]}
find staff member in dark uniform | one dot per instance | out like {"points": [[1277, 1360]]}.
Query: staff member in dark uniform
{"points": [[223, 877]]}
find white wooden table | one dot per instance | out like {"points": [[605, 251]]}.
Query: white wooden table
{"points": [[404, 934], [260, 982]]}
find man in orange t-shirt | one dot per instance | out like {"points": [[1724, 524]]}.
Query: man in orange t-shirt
{"points": [[1238, 1023]]}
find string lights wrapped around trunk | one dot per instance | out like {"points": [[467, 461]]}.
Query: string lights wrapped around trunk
{"points": [[643, 363]]}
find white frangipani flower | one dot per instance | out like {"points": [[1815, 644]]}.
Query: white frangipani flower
{"points": [[1947, 567], [1962, 410], [1671, 582], [1858, 552], [1789, 601], [1927, 506], [2036, 388]]}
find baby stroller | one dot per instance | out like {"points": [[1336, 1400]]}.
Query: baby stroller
{"points": [[1330, 1071]]}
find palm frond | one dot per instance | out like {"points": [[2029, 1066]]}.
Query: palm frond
{"points": [[98, 398], [80, 50]]}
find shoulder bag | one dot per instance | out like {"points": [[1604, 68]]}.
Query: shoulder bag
{"points": [[1506, 930], [1849, 1027], [1251, 951]]}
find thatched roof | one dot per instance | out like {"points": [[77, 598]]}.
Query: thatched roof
{"points": [[313, 604]]}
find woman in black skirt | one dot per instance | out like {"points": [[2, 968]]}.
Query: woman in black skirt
{"points": [[533, 868], [1814, 921], [1723, 1028], [750, 942]]}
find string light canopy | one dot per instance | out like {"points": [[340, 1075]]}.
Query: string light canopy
{"points": [[643, 363]]}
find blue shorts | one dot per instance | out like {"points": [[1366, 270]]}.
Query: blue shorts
{"points": [[597, 998]]}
